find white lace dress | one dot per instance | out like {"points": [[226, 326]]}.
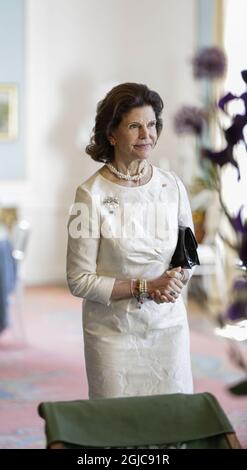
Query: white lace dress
{"points": [[129, 351]]}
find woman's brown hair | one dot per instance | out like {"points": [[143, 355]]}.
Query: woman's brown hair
{"points": [[119, 101]]}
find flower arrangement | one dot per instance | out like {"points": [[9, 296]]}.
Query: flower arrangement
{"points": [[210, 64]]}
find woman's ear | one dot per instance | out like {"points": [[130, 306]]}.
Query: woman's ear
{"points": [[111, 140]]}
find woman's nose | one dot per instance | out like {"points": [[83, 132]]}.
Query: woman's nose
{"points": [[143, 132]]}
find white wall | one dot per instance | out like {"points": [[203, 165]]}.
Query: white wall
{"points": [[76, 50]]}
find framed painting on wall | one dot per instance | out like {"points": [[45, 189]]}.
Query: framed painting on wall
{"points": [[8, 112]]}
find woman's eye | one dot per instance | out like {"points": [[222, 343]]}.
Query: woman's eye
{"points": [[136, 125]]}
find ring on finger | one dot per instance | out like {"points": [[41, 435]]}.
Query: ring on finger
{"points": [[172, 293]]}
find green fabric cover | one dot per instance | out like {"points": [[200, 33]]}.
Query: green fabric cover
{"points": [[159, 420]]}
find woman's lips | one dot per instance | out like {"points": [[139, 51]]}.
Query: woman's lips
{"points": [[143, 146]]}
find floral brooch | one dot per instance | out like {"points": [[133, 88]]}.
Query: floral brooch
{"points": [[111, 203]]}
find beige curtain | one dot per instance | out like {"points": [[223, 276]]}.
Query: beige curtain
{"points": [[217, 300], [218, 27]]}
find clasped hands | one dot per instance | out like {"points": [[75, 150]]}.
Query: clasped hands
{"points": [[168, 286]]}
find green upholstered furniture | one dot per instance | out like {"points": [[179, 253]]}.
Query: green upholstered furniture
{"points": [[161, 421]]}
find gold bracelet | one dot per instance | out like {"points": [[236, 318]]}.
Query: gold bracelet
{"points": [[142, 286], [143, 289]]}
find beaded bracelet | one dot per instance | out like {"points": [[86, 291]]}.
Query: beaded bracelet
{"points": [[142, 291]]}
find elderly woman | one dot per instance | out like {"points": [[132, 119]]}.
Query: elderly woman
{"points": [[123, 231]]}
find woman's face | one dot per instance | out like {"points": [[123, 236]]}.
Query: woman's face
{"points": [[136, 135]]}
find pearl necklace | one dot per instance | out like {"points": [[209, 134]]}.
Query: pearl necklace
{"points": [[127, 176]]}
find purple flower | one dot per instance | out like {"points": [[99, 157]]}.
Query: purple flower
{"points": [[243, 249], [244, 75], [237, 311], [210, 63], [238, 223], [244, 98], [241, 229], [230, 97], [225, 100], [189, 120], [238, 308], [221, 158], [234, 133]]}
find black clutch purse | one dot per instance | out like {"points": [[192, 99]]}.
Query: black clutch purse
{"points": [[185, 254]]}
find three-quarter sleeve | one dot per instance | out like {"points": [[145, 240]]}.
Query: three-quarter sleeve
{"points": [[82, 251], [184, 210]]}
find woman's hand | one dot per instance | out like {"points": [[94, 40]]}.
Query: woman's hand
{"points": [[167, 287], [157, 297]]}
